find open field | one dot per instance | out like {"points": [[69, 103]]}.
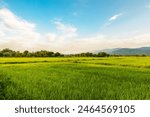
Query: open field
{"points": [[75, 78]]}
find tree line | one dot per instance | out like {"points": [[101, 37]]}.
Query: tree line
{"points": [[88, 54], [44, 53]]}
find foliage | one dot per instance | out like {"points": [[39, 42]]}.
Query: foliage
{"points": [[44, 53]]}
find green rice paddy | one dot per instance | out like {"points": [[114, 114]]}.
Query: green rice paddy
{"points": [[113, 78]]}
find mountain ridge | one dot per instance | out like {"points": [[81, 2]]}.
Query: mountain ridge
{"points": [[127, 51]]}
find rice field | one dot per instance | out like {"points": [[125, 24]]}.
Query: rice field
{"points": [[112, 78]]}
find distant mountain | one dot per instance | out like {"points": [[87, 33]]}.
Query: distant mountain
{"points": [[110, 50], [128, 51]]}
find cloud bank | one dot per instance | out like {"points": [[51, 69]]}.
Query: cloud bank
{"points": [[19, 34]]}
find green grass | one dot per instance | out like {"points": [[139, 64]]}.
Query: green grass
{"points": [[126, 78]]}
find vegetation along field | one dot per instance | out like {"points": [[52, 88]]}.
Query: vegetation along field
{"points": [[75, 78]]}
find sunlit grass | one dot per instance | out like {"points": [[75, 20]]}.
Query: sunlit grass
{"points": [[75, 78]]}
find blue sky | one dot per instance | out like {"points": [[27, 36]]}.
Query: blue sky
{"points": [[82, 13], [72, 26]]}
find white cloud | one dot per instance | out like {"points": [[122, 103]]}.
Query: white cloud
{"points": [[65, 28], [1, 33], [13, 22], [111, 20], [115, 17], [51, 37], [14, 28], [19, 34], [99, 42]]}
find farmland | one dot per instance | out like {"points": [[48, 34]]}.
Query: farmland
{"points": [[77, 78]]}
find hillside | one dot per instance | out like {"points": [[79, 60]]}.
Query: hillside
{"points": [[129, 51]]}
